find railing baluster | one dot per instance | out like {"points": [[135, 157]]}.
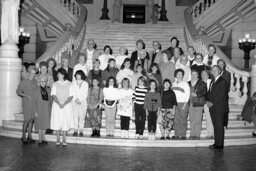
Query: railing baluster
{"points": [[245, 88], [238, 85]]}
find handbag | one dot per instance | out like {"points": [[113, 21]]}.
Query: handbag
{"points": [[198, 101]]}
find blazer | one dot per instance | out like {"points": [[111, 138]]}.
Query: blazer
{"points": [[158, 58], [217, 95], [200, 90], [134, 57], [227, 76]]}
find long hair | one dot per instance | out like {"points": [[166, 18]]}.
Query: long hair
{"points": [[110, 50], [63, 72], [143, 79], [155, 65], [126, 60], [81, 73], [107, 83]]}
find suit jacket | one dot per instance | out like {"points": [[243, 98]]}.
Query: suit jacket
{"points": [[134, 57], [217, 95], [227, 76], [158, 58]]}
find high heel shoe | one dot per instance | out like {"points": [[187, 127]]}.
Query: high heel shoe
{"points": [[24, 141], [45, 142], [30, 140]]}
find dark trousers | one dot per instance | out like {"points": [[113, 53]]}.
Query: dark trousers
{"points": [[152, 117], [218, 126], [140, 118], [125, 123], [226, 119]]}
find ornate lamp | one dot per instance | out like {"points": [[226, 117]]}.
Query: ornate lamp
{"points": [[24, 38], [246, 44]]}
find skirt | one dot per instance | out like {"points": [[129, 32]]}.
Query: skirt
{"points": [[95, 116], [167, 119]]}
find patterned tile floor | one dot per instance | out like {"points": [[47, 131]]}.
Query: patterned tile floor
{"points": [[15, 156]]}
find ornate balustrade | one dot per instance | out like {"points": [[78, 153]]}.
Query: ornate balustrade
{"points": [[72, 6], [71, 39], [239, 78], [200, 7]]}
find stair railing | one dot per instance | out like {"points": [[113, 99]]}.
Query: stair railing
{"points": [[72, 38], [201, 42]]}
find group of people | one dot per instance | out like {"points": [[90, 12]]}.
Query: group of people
{"points": [[163, 87]]}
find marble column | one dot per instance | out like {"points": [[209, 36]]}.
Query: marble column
{"points": [[10, 63]]}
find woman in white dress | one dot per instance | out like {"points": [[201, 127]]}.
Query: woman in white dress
{"points": [[62, 113]]}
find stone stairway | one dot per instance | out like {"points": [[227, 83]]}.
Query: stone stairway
{"points": [[238, 133], [117, 35]]}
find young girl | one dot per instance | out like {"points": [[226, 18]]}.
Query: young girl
{"points": [[80, 88], [110, 93], [155, 74], [125, 106], [95, 96], [95, 73], [169, 103], [152, 105], [139, 71], [110, 71], [140, 113], [42, 101], [125, 72]]}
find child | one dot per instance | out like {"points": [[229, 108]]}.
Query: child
{"points": [[169, 103], [125, 106], [42, 100], [140, 113], [155, 74], [110, 93], [152, 105], [80, 88], [124, 72], [95, 96], [95, 73], [139, 71], [110, 71]]}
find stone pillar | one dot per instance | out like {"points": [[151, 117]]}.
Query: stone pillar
{"points": [[253, 77], [10, 63], [105, 11], [163, 12]]}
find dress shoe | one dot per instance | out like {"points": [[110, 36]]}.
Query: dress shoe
{"points": [[175, 137], [182, 138], [93, 133], [81, 134], [24, 141], [168, 138], [253, 134], [40, 144], [162, 138], [49, 131], [75, 134], [45, 142], [64, 144], [57, 143], [98, 133], [30, 140]]}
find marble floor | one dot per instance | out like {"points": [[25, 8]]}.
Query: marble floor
{"points": [[16, 156]]}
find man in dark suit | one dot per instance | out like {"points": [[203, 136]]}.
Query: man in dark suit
{"points": [[218, 104], [65, 65], [227, 76]]}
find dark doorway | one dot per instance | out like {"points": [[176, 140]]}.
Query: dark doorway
{"points": [[134, 14]]}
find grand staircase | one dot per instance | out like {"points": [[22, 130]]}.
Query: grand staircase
{"points": [[74, 40], [125, 35]]}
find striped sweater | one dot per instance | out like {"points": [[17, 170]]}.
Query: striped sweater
{"points": [[139, 94]]}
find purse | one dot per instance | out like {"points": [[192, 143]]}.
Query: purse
{"points": [[198, 101]]}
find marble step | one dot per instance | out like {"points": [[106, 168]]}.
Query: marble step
{"points": [[231, 131], [117, 141], [232, 116]]}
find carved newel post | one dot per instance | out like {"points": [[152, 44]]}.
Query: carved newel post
{"points": [[10, 63], [253, 77], [163, 12], [105, 11]]}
